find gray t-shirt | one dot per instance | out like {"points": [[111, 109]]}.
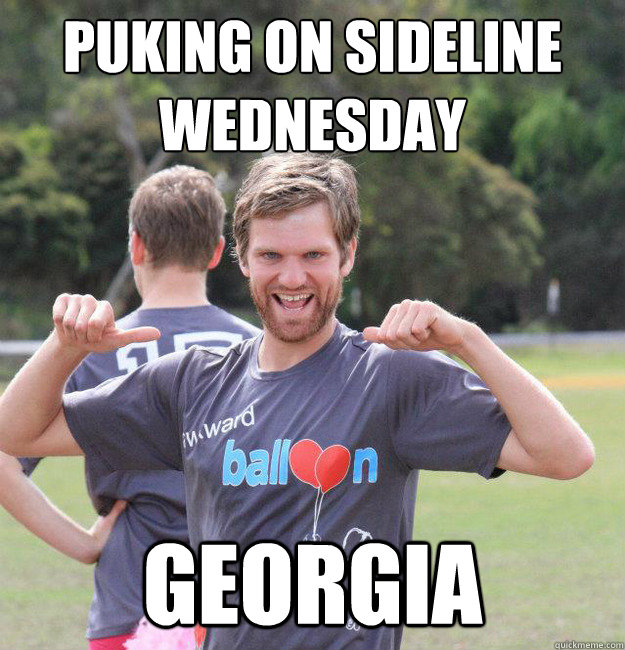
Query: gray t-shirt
{"points": [[156, 508], [252, 445]]}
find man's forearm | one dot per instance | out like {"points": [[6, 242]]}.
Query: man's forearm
{"points": [[22, 499], [548, 434], [34, 397]]}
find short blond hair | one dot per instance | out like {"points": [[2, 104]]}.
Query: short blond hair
{"points": [[179, 213], [282, 182]]}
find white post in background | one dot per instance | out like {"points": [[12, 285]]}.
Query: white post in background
{"points": [[553, 306]]}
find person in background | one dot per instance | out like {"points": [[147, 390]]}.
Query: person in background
{"points": [[176, 220]]}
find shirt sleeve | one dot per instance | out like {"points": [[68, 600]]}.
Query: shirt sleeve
{"points": [[131, 422], [443, 417], [72, 383]]}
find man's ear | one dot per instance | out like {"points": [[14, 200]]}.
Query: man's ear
{"points": [[243, 263], [136, 247], [217, 253], [348, 264]]}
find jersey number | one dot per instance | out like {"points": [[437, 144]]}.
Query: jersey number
{"points": [[129, 358]]}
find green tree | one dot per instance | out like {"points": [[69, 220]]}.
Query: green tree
{"points": [[441, 229], [42, 227]]}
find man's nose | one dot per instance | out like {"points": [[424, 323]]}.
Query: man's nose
{"points": [[292, 274]]}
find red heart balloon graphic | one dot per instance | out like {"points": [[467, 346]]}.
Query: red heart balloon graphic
{"points": [[302, 459], [331, 467]]}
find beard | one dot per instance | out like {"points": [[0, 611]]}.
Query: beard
{"points": [[296, 329]]}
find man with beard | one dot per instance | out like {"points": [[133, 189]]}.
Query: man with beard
{"points": [[353, 416]]}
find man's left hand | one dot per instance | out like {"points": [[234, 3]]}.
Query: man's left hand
{"points": [[416, 325]]}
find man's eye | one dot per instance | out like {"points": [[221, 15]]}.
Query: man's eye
{"points": [[270, 255], [313, 255]]}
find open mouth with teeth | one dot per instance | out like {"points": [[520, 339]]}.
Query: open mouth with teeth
{"points": [[294, 302]]}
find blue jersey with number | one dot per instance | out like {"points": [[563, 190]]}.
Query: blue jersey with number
{"points": [[156, 499]]}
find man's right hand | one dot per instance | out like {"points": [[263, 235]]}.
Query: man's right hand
{"points": [[85, 324], [32, 421]]}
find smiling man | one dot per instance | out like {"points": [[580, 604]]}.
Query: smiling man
{"points": [[310, 431], [295, 317], [296, 286]]}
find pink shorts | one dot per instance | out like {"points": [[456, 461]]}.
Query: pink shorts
{"points": [[110, 642], [184, 637]]}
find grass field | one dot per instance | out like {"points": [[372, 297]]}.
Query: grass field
{"points": [[551, 554]]}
